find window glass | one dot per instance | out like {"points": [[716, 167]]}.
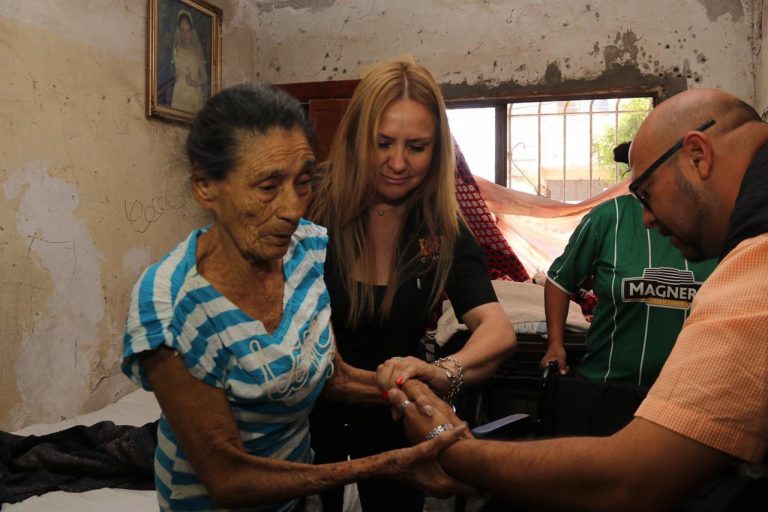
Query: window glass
{"points": [[523, 154], [552, 156], [553, 107], [576, 106], [635, 104], [524, 108], [604, 105], [474, 130]]}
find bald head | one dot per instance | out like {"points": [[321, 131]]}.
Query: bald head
{"points": [[690, 193], [687, 110]]}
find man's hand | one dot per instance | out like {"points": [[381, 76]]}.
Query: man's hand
{"points": [[555, 352]]}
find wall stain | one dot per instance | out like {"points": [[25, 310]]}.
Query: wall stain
{"points": [[716, 8], [617, 77], [623, 51], [553, 75], [312, 5], [626, 65]]}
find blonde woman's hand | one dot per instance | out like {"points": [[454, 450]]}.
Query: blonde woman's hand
{"points": [[396, 371]]}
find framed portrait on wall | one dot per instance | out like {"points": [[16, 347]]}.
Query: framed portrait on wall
{"points": [[183, 57]]}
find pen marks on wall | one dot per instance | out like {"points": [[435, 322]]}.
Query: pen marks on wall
{"points": [[141, 214]]}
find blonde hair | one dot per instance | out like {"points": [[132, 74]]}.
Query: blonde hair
{"points": [[348, 189]]}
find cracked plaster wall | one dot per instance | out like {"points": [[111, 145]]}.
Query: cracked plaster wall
{"points": [[477, 47], [761, 70], [91, 192]]}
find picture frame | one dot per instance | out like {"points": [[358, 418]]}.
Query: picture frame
{"points": [[183, 57]]}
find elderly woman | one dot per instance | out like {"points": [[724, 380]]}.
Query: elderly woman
{"points": [[397, 243], [231, 329]]}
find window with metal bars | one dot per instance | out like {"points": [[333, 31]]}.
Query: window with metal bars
{"points": [[561, 149]]}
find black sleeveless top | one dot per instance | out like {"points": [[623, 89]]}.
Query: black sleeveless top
{"points": [[375, 340]]}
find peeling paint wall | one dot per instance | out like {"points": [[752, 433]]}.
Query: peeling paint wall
{"points": [[476, 47], [91, 192], [761, 68]]}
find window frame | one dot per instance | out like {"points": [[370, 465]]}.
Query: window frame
{"points": [[500, 103]]}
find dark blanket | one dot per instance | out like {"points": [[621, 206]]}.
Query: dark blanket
{"points": [[77, 459]]}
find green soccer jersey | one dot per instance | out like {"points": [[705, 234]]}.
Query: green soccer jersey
{"points": [[644, 288]]}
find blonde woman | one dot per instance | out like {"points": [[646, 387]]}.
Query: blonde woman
{"points": [[396, 243], [191, 87]]}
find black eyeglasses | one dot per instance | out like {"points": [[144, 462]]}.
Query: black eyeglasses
{"points": [[634, 187]]}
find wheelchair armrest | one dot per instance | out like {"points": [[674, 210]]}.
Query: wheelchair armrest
{"points": [[508, 427]]}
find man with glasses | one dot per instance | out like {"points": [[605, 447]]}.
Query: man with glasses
{"points": [[708, 410]]}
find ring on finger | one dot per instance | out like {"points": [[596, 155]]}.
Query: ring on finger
{"points": [[404, 405], [438, 430]]}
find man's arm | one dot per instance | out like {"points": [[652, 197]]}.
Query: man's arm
{"points": [[642, 467], [556, 311]]}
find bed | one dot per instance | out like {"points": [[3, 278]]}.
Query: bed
{"points": [[523, 304], [136, 409]]}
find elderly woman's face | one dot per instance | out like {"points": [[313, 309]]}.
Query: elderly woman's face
{"points": [[259, 204]]}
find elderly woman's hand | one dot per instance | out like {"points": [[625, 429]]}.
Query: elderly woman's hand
{"points": [[418, 465], [394, 372]]}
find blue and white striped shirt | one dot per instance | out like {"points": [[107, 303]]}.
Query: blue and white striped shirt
{"points": [[271, 380]]}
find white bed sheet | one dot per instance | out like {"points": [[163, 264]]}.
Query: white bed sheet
{"points": [[523, 303], [137, 408]]}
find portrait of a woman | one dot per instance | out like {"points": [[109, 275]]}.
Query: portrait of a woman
{"points": [[191, 86]]}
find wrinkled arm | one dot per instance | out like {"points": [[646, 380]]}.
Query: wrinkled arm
{"points": [[352, 385], [202, 420], [556, 311]]}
